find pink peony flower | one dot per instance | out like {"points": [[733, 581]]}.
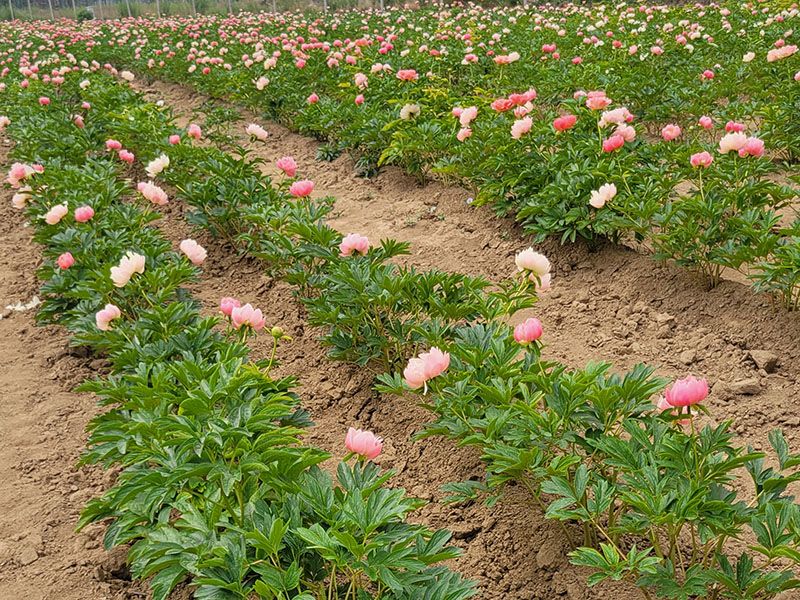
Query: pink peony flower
{"points": [[602, 195], [463, 134], [701, 159], [733, 127], [530, 260], [312, 99], [55, 214], [257, 132], [44, 100], [113, 145], [65, 261], [126, 156], [156, 166], [615, 142], [153, 193], [174, 139], [359, 100], [732, 141], [83, 213], [705, 122], [425, 367], [528, 331], [627, 132], [193, 251], [407, 75], [129, 264], [247, 316], [194, 131], [227, 304], [670, 132], [686, 392], [564, 122], [302, 188], [708, 74], [288, 165], [521, 127], [104, 316], [752, 147], [468, 115], [354, 242], [363, 442], [597, 102], [19, 172]]}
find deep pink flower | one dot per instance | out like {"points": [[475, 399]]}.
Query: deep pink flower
{"points": [[752, 147], [564, 122], [113, 145], [312, 99], [363, 442], [733, 127], [126, 156], [174, 139], [288, 165], [706, 122], [615, 142], [44, 100]]}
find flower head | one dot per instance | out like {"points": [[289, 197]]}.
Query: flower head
{"points": [[528, 331], [288, 165], [602, 195], [104, 316], [65, 261], [302, 188], [129, 264], [687, 391], [247, 316], [193, 251], [530, 260], [354, 242], [83, 214], [227, 304], [362, 442], [55, 214]]}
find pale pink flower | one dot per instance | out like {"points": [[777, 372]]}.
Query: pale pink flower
{"points": [[615, 117], [129, 264], [21, 198], [153, 193], [463, 134], [257, 132], [407, 75], [174, 139], [732, 141], [113, 145], [706, 122], [19, 172], [288, 165], [227, 304], [530, 260], [467, 116], [248, 316], [670, 132], [354, 242], [55, 214], [597, 102], [521, 127], [528, 331], [361, 81], [365, 443], [157, 165], [104, 316], [701, 159], [302, 188], [602, 195], [83, 214], [425, 367], [686, 392], [627, 132], [4, 122], [126, 156], [65, 261], [781, 53], [193, 251]]}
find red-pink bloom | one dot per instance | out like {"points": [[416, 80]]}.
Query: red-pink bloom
{"points": [[528, 331], [354, 242], [126, 156], [359, 100], [83, 213], [312, 99], [288, 165], [227, 304], [247, 316], [44, 100], [194, 131], [365, 443], [701, 159], [708, 74], [65, 261], [670, 132], [502, 104], [705, 122], [564, 122], [752, 147], [615, 142], [686, 392], [174, 139], [302, 188], [104, 316], [113, 145]]}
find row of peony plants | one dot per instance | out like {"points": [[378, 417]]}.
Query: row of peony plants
{"points": [[647, 494], [664, 126], [215, 485]]}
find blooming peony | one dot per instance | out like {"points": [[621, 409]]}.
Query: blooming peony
{"points": [[288, 165], [257, 132], [752, 147], [528, 331], [602, 195], [104, 316], [521, 127], [247, 316], [157, 165], [193, 251], [153, 193], [732, 141], [55, 214], [365, 443], [129, 264], [688, 391], [227, 304], [83, 214], [701, 159], [302, 188], [65, 261], [530, 260], [354, 242], [564, 122], [670, 132]]}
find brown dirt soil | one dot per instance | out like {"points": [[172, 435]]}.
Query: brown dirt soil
{"points": [[610, 305]]}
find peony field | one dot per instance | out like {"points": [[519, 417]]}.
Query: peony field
{"points": [[413, 302]]}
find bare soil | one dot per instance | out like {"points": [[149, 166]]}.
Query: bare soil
{"points": [[610, 305]]}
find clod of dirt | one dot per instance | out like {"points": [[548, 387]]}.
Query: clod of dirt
{"points": [[765, 359], [746, 387]]}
